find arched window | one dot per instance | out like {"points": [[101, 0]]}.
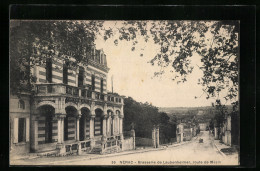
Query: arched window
{"points": [[21, 104], [101, 85], [102, 58], [93, 82], [80, 77], [98, 124], [97, 56], [65, 73], [49, 70], [92, 53]]}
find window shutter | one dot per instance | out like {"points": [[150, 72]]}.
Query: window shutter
{"points": [[15, 138], [27, 134]]}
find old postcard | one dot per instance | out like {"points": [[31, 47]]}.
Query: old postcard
{"points": [[124, 92]]}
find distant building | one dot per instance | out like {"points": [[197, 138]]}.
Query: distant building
{"points": [[203, 126], [200, 112]]}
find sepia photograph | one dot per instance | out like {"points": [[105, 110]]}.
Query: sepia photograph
{"points": [[124, 92]]}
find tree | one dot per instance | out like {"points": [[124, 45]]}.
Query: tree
{"points": [[215, 41], [145, 117], [220, 115], [31, 42]]}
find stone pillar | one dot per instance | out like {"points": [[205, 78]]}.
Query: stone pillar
{"points": [[92, 127], [77, 75], [133, 135], [113, 125], [77, 127], [108, 124], [62, 129], [60, 118], [216, 133], [92, 117], [119, 124], [121, 127], [154, 137], [104, 125], [229, 123], [157, 138], [91, 131], [34, 138], [60, 145], [93, 95], [79, 149], [84, 128]]}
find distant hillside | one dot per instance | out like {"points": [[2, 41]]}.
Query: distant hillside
{"points": [[186, 110], [181, 110], [189, 114]]}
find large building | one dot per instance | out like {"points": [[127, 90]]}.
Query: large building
{"points": [[71, 110]]}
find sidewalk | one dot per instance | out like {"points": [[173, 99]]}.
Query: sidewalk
{"points": [[226, 151], [86, 156]]}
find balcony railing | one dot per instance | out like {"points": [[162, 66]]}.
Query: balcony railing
{"points": [[114, 99], [72, 91], [62, 89]]}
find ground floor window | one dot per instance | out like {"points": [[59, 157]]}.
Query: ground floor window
{"points": [[98, 126], [21, 130]]}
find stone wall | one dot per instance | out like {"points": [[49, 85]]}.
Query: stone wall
{"points": [[143, 141], [16, 113], [128, 144]]}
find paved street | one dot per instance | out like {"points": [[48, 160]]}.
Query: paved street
{"points": [[191, 153]]}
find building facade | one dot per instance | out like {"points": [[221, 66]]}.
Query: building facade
{"points": [[71, 110], [226, 130]]}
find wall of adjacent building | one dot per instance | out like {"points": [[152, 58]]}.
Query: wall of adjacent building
{"points": [[14, 114]]}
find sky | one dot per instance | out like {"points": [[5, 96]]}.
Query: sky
{"points": [[133, 76]]}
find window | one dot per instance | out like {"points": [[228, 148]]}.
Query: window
{"points": [[92, 53], [102, 58], [93, 82], [21, 130], [98, 56], [101, 85], [21, 104], [65, 73], [49, 70], [98, 125], [80, 76], [105, 60], [66, 129]]}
